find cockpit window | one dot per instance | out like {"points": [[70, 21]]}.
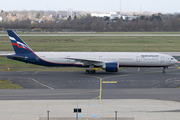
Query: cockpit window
{"points": [[172, 58]]}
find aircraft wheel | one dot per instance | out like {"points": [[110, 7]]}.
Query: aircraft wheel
{"points": [[93, 71], [90, 71], [164, 72], [87, 71]]}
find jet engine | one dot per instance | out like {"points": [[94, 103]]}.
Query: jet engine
{"points": [[111, 67]]}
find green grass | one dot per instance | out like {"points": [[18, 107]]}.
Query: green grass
{"points": [[5, 63], [178, 32], [7, 84], [103, 44]]}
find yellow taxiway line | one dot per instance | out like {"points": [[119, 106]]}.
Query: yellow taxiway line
{"points": [[109, 82], [101, 81], [177, 66]]}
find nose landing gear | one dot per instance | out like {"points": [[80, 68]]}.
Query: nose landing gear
{"points": [[164, 68]]}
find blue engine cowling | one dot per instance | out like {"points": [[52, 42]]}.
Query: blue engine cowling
{"points": [[111, 67]]}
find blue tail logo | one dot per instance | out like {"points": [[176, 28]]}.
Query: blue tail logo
{"points": [[20, 47]]}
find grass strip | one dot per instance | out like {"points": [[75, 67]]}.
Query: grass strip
{"points": [[7, 84], [178, 32]]}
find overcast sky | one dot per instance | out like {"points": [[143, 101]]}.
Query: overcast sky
{"points": [[166, 6]]}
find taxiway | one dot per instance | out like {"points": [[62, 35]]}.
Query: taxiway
{"points": [[134, 93]]}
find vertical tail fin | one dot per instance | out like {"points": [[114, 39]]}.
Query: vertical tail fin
{"points": [[20, 47]]}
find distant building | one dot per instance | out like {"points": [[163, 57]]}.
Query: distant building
{"points": [[129, 17], [43, 19], [113, 15], [9, 14], [34, 21], [112, 12], [100, 15], [132, 17], [1, 19]]}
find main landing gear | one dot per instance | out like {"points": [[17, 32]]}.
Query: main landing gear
{"points": [[90, 70], [164, 68]]}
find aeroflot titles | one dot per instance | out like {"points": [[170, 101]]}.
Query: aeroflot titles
{"points": [[149, 55]]}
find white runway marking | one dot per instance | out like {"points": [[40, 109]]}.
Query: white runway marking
{"points": [[41, 83]]}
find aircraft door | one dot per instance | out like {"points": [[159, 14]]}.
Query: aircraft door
{"points": [[137, 59], [162, 59], [100, 57]]}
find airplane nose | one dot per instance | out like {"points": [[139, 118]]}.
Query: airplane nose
{"points": [[176, 61]]}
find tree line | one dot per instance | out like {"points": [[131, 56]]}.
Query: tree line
{"points": [[155, 22]]}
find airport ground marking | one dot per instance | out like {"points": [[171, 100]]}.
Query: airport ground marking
{"points": [[100, 95], [41, 83], [34, 73], [121, 75], [24, 73], [177, 66], [95, 98], [60, 93], [101, 82], [136, 74], [88, 81], [100, 89], [161, 71], [109, 82]]}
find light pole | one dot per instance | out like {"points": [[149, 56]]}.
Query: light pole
{"points": [[77, 111], [115, 115], [48, 115]]}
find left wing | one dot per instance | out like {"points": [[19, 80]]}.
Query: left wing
{"points": [[88, 61]]}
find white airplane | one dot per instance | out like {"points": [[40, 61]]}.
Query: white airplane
{"points": [[108, 61]]}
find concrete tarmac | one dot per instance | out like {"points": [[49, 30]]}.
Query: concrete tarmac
{"points": [[125, 79], [129, 83], [127, 109], [134, 93]]}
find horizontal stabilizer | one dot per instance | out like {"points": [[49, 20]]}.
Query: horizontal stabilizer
{"points": [[5, 54], [17, 56]]}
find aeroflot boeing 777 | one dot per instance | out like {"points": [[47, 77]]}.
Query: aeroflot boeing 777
{"points": [[109, 61]]}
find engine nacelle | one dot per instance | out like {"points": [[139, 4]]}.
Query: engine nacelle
{"points": [[111, 67]]}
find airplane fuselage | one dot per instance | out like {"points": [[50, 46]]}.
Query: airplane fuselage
{"points": [[125, 59]]}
